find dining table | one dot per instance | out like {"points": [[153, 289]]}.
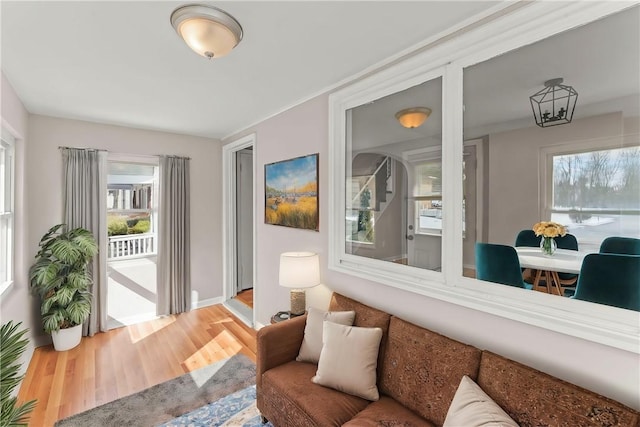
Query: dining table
{"points": [[548, 266]]}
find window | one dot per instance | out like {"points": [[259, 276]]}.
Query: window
{"points": [[596, 194], [360, 210], [428, 197], [6, 210]]}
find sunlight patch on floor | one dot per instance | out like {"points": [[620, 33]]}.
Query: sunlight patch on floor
{"points": [[223, 346], [131, 292], [143, 330]]}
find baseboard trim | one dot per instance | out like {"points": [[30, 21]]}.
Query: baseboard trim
{"points": [[239, 310], [113, 323], [259, 326], [206, 302]]}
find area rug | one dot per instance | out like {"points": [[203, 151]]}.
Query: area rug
{"points": [[171, 399], [237, 409]]}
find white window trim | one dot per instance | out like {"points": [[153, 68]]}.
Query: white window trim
{"points": [[528, 24], [8, 141]]}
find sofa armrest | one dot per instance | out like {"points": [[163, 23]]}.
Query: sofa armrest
{"points": [[278, 344]]}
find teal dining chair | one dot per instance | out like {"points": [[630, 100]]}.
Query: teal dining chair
{"points": [[610, 279], [567, 280], [499, 264], [527, 238], [568, 241], [620, 245]]}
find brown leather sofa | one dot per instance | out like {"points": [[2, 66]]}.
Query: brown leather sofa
{"points": [[418, 374]]}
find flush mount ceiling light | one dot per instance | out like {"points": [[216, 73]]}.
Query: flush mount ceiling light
{"points": [[554, 104], [413, 117], [207, 30]]}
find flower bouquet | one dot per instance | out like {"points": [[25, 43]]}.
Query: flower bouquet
{"points": [[549, 230]]}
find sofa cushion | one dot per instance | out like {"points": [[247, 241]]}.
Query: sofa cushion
{"points": [[349, 359], [422, 369], [312, 341], [366, 317], [388, 413], [533, 398], [302, 403], [471, 407]]}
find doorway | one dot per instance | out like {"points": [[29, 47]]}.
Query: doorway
{"points": [[239, 228], [132, 184], [244, 226]]}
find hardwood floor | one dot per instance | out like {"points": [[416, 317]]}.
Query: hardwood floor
{"points": [[122, 361], [246, 297]]}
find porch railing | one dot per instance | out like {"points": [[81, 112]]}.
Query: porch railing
{"points": [[131, 245]]}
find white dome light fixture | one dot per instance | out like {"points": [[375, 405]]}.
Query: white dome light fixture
{"points": [[208, 31]]}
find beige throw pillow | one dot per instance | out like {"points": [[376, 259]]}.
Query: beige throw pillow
{"points": [[349, 359], [472, 407], [312, 341]]}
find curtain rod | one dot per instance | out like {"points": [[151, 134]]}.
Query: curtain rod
{"points": [[174, 156], [60, 147]]}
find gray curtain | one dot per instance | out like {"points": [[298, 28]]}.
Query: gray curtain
{"points": [[174, 258], [85, 199]]}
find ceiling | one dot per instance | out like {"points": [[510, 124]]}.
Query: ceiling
{"points": [[122, 63]]}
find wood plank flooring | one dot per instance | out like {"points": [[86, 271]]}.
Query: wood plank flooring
{"points": [[246, 297], [123, 361]]}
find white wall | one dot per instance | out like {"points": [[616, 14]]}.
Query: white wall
{"points": [[16, 302], [303, 130], [44, 180]]}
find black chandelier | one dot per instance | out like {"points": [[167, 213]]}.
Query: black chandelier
{"points": [[554, 104]]}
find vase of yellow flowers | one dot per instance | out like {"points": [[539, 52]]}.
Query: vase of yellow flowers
{"points": [[549, 230]]}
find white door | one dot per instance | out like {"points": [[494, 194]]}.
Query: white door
{"points": [[244, 212]]}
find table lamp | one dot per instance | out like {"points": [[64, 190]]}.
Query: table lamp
{"points": [[299, 270]]}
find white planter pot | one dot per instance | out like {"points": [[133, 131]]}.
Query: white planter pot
{"points": [[66, 339]]}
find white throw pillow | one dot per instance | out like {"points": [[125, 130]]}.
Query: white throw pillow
{"points": [[472, 407], [349, 359], [312, 341]]}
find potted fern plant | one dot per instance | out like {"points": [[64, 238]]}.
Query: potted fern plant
{"points": [[61, 277]]}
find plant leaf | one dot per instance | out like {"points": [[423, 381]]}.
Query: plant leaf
{"points": [[65, 251], [53, 320], [12, 345]]}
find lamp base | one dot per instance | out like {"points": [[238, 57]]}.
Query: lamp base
{"points": [[298, 302]]}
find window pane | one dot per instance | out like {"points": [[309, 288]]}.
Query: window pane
{"points": [[6, 209], [394, 179], [582, 173], [598, 180], [5, 221], [597, 194], [428, 195]]}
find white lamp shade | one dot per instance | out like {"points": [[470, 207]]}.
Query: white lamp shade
{"points": [[299, 270], [203, 35]]}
